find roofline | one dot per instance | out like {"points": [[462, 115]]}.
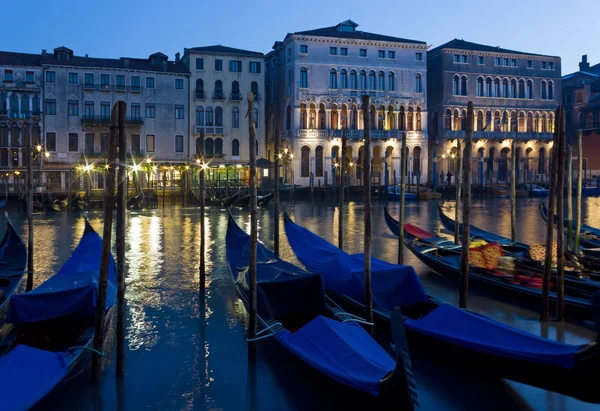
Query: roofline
{"points": [[246, 53], [410, 44], [45, 65], [443, 48]]}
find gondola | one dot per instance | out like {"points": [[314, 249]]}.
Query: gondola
{"points": [[3, 203], [228, 201], [459, 336], [590, 236], [13, 264], [37, 206], [77, 203], [292, 308], [264, 201], [136, 203], [537, 191], [242, 202], [394, 192], [53, 333], [51, 204]]}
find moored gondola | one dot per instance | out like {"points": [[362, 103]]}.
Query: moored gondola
{"points": [[136, 203], [292, 307], [264, 201], [77, 203], [228, 201], [13, 255], [590, 236], [242, 201], [54, 328], [459, 336]]}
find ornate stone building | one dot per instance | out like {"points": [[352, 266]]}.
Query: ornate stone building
{"points": [[315, 80]]}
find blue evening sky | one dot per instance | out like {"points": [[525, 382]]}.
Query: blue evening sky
{"points": [[136, 28]]}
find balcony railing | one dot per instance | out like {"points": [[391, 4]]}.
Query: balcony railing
{"points": [[313, 133], [200, 95], [102, 120], [121, 87], [219, 130], [236, 96], [218, 95], [499, 135]]}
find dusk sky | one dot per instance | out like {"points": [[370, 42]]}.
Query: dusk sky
{"points": [[136, 28]]}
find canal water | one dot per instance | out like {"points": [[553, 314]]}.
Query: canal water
{"points": [[190, 353]]}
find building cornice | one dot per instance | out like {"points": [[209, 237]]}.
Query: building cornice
{"points": [[61, 66], [500, 54], [341, 40]]}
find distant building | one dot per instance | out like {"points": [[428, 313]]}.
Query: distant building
{"points": [[315, 80], [581, 98], [510, 90]]}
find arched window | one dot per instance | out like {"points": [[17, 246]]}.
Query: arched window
{"points": [[305, 161], [401, 119], [218, 89], [513, 121], [418, 83], [332, 78], [544, 90], [448, 120], [218, 117], [209, 117], [303, 117], [522, 122], [373, 117], [353, 80], [235, 90], [288, 118], [381, 81], [505, 88], [209, 146], [354, 118], [544, 123], [551, 121], [381, 118], [479, 125], [343, 78], [319, 161], [409, 119], [456, 120], [497, 87], [513, 88], [218, 146], [235, 117], [536, 123], [256, 122], [199, 116], [362, 79], [199, 88], [521, 89], [391, 81], [372, 85], [36, 104], [463, 86], [334, 117], [322, 124], [488, 87], [303, 78], [529, 89], [550, 90], [254, 89], [456, 85], [235, 147], [417, 160], [529, 123], [419, 127], [480, 87]]}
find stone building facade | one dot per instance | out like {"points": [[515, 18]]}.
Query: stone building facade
{"points": [[514, 94], [315, 80]]}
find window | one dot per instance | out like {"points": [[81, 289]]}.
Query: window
{"points": [[455, 85], [218, 146], [135, 111], [381, 54], [303, 78], [89, 109], [199, 63], [179, 84], [513, 88], [219, 89], [458, 58], [303, 50], [391, 54], [51, 141], [332, 78], [505, 62], [463, 86], [353, 80], [419, 56], [209, 147], [497, 61], [235, 117], [51, 78], [550, 65], [235, 147], [29, 77], [362, 80], [543, 65], [362, 53], [305, 161], [480, 60], [254, 67], [179, 144], [521, 89], [8, 75], [120, 82], [513, 62], [479, 89], [319, 161], [497, 87], [199, 116], [178, 112], [219, 117], [105, 110], [544, 91], [254, 89], [343, 79], [529, 64], [505, 88], [73, 142], [381, 81], [88, 80], [104, 81], [235, 66], [135, 83], [73, 78], [73, 107], [372, 82], [218, 65], [343, 51], [50, 107], [418, 83], [529, 89], [210, 118], [150, 110], [333, 51], [149, 82], [150, 143], [391, 81]]}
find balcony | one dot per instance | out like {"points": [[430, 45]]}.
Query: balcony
{"points": [[120, 88], [137, 121], [219, 130], [200, 95], [218, 95], [236, 96], [104, 120], [136, 89], [89, 86], [313, 133], [499, 135]]}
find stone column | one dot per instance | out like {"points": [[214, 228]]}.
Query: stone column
{"points": [[30, 104], [8, 104], [328, 119], [19, 98]]}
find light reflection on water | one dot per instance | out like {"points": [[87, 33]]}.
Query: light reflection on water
{"points": [[187, 352]]}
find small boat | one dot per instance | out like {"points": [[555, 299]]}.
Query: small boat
{"points": [[590, 236], [53, 333], [51, 204], [228, 201], [13, 264], [264, 201], [77, 203], [37, 206], [293, 308], [537, 191], [459, 336], [136, 203], [3, 203], [242, 202], [395, 191]]}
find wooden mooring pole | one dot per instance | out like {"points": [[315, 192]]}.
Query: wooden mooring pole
{"points": [[342, 182], [202, 268], [513, 188], [106, 245], [569, 164], [253, 219], [457, 183], [29, 285], [121, 229], [367, 198], [403, 167], [579, 189], [560, 205], [276, 199], [463, 293]]}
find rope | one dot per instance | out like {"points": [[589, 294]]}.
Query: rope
{"points": [[85, 347], [358, 321]]}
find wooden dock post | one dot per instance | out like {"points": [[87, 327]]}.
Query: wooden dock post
{"points": [[69, 191], [550, 223], [569, 163], [367, 198], [579, 189], [202, 268], [560, 236], [457, 183], [513, 189], [120, 229], [342, 182], [463, 292], [253, 219], [106, 245], [403, 167], [276, 199], [29, 285]]}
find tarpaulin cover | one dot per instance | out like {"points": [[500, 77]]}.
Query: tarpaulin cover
{"points": [[72, 290], [283, 289], [28, 374], [343, 351], [467, 329], [392, 285]]}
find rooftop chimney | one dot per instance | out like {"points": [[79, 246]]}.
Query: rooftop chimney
{"points": [[126, 63], [177, 56], [86, 55], [584, 65], [43, 52]]}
